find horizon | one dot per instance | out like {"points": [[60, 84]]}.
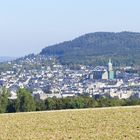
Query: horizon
{"points": [[15, 57], [27, 27]]}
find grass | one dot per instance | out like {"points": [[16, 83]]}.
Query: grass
{"points": [[88, 124]]}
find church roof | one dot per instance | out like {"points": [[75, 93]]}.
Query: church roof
{"points": [[100, 68]]}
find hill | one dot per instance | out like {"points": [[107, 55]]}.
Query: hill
{"points": [[96, 48], [6, 58], [113, 123]]}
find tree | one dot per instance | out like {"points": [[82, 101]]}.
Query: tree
{"points": [[40, 105], [3, 100], [24, 101], [50, 104]]}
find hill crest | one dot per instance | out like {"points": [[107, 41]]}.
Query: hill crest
{"points": [[96, 48]]}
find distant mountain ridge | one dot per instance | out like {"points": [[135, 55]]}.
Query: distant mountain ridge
{"points": [[96, 48], [6, 58]]}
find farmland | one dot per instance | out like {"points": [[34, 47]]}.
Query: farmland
{"points": [[84, 124]]}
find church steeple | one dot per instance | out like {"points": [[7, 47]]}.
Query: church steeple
{"points": [[110, 68]]}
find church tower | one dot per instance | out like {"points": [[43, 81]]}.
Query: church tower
{"points": [[110, 70]]}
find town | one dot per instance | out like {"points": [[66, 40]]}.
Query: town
{"points": [[46, 77]]}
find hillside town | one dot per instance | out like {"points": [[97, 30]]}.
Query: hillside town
{"points": [[45, 77]]}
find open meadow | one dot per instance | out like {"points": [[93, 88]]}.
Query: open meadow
{"points": [[122, 123]]}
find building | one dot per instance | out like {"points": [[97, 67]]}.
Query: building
{"points": [[110, 70], [100, 72], [103, 73]]}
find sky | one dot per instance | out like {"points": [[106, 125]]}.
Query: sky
{"points": [[27, 26]]}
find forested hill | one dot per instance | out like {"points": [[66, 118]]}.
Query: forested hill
{"points": [[96, 48]]}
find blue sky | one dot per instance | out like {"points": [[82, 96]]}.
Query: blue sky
{"points": [[27, 26]]}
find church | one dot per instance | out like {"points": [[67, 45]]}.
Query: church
{"points": [[102, 73]]}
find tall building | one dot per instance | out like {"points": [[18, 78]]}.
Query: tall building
{"points": [[100, 72], [103, 73], [110, 70]]}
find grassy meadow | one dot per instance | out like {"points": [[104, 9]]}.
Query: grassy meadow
{"points": [[87, 124]]}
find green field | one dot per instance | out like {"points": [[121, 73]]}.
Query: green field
{"points": [[88, 124]]}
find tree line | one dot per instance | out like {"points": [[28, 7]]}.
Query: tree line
{"points": [[26, 103]]}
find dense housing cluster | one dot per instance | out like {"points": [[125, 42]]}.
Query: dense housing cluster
{"points": [[45, 77]]}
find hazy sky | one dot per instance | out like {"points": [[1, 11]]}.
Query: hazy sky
{"points": [[27, 26]]}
